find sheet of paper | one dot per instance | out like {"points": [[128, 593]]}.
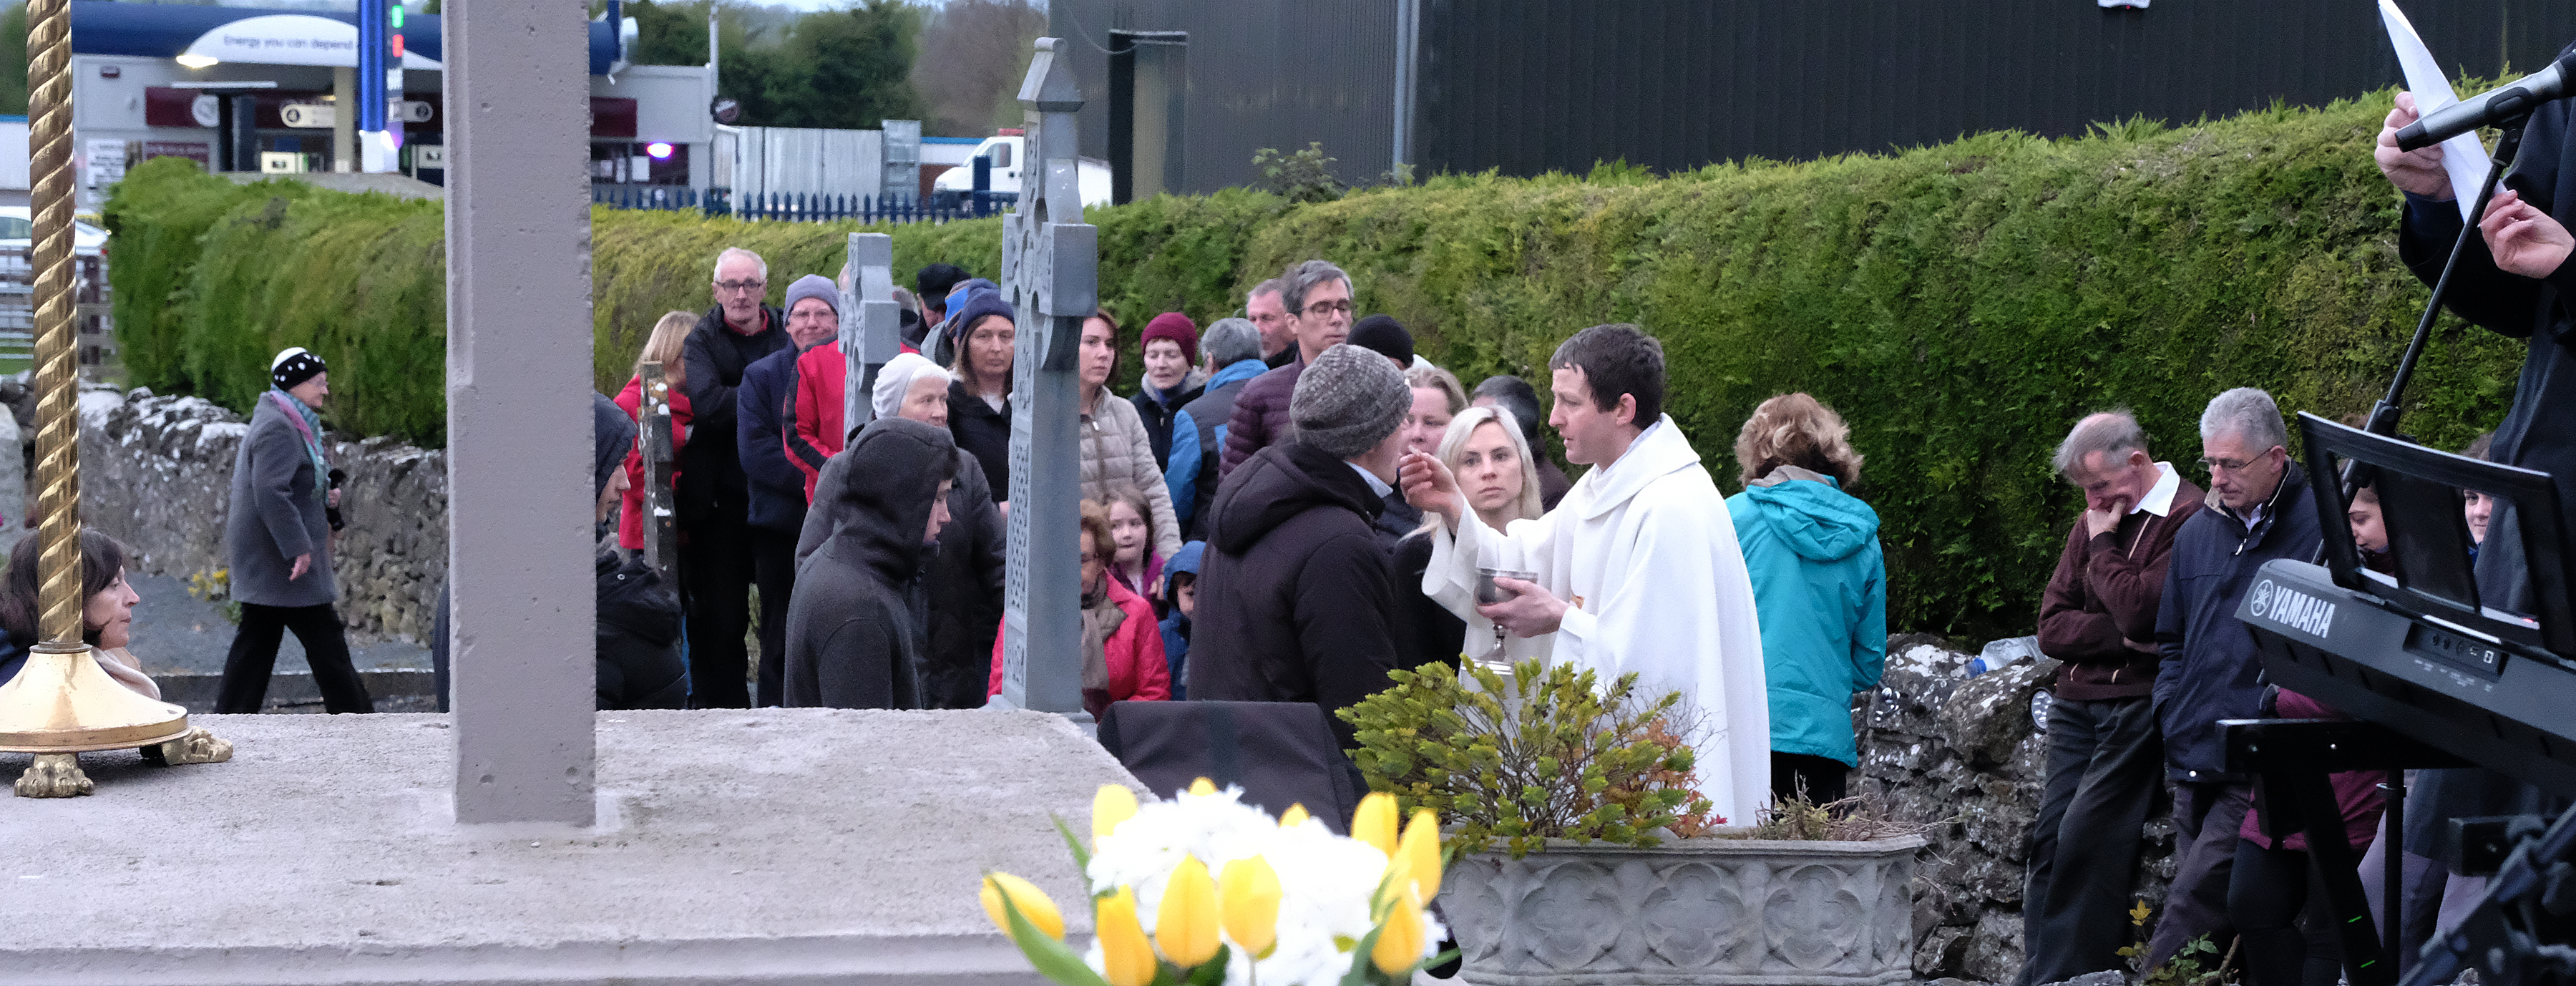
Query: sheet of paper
{"points": [[2462, 156]]}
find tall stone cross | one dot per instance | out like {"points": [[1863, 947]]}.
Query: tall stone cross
{"points": [[871, 331], [1051, 274]]}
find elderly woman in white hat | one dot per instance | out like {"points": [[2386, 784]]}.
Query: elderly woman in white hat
{"points": [[278, 536]]}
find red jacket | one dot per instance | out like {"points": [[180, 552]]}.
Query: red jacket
{"points": [[2356, 792], [813, 426], [1137, 668], [630, 517]]}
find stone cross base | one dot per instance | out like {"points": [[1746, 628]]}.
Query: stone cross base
{"points": [[772, 846]]}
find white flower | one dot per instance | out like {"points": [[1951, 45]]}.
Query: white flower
{"points": [[1326, 881]]}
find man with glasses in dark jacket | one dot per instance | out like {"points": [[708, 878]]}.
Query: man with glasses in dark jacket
{"points": [[714, 497], [2209, 667]]}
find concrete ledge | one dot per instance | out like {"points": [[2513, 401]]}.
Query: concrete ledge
{"points": [[778, 846], [394, 691]]}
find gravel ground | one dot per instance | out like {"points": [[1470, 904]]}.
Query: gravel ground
{"points": [[174, 632]]}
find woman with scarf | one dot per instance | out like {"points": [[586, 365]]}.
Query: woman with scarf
{"points": [[1122, 646], [279, 538]]}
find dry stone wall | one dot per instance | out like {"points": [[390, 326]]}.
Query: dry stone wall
{"points": [[156, 472], [1964, 753]]}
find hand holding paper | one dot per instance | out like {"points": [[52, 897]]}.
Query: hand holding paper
{"points": [[2461, 158]]}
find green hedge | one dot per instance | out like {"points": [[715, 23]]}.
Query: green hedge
{"points": [[211, 279], [1960, 304]]}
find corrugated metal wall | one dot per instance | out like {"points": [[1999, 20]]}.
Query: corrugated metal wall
{"points": [[805, 161], [1272, 74], [1536, 85], [1539, 85]]}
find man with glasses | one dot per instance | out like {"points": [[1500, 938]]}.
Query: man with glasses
{"points": [[714, 497], [1317, 297], [1269, 313], [2209, 668]]}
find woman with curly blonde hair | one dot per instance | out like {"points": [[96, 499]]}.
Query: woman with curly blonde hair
{"points": [[1819, 586]]}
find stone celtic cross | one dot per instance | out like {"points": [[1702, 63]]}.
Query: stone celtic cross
{"points": [[1051, 275]]}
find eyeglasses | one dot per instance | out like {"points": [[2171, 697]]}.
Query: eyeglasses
{"points": [[2232, 465], [1323, 308], [740, 286]]}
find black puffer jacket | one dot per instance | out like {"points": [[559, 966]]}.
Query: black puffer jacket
{"points": [[712, 484], [1296, 604], [854, 638], [965, 592], [983, 433], [638, 637]]}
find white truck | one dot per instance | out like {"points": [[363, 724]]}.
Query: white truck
{"points": [[1008, 150]]}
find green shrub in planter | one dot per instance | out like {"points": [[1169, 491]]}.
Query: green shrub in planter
{"points": [[1546, 754]]}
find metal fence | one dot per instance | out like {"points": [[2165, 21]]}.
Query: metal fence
{"points": [[92, 321], [799, 207]]}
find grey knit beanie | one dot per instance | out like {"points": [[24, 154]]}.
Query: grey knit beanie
{"points": [[1348, 400], [813, 286]]}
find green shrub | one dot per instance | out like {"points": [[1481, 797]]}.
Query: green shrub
{"points": [[1961, 304], [1545, 754]]}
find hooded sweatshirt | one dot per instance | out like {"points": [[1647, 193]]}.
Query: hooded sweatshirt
{"points": [[1176, 625], [854, 630], [1820, 590], [1297, 604]]}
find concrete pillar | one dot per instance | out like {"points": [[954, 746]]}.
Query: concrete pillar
{"points": [[344, 119], [1051, 273], [518, 410], [871, 331]]}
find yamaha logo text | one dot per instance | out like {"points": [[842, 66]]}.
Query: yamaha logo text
{"points": [[2294, 609]]}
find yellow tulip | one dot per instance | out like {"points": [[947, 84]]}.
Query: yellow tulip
{"points": [[1399, 940], [1125, 957], [1031, 902], [1249, 889], [1374, 822], [1114, 804], [1294, 816], [1203, 787], [1420, 850], [1185, 925]]}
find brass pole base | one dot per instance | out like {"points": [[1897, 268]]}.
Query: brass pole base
{"points": [[54, 775]]}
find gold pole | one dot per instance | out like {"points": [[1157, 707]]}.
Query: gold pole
{"points": [[60, 703]]}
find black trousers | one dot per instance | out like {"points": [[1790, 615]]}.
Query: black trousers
{"points": [[773, 565], [1823, 780], [2206, 818], [715, 587], [326, 649], [2266, 893], [2105, 771]]}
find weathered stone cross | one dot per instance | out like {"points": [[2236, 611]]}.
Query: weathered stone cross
{"points": [[1051, 274]]}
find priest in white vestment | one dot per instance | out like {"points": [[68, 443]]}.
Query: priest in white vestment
{"points": [[1638, 568]]}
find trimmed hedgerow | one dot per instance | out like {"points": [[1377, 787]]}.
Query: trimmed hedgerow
{"points": [[1960, 304]]}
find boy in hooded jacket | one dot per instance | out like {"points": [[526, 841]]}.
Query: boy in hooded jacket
{"points": [[854, 637], [1180, 588]]}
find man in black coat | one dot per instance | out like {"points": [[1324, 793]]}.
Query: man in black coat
{"points": [[776, 486], [1296, 603], [714, 498], [854, 631], [2209, 668]]}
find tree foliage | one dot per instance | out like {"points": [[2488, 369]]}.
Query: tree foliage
{"points": [[973, 54], [845, 68]]}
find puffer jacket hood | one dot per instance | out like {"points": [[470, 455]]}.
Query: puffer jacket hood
{"points": [[1281, 482], [880, 523], [1817, 519]]}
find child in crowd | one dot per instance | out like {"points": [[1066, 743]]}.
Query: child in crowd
{"points": [[1131, 530], [1180, 589]]}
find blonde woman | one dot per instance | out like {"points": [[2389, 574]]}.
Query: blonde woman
{"points": [[1499, 480], [1819, 583], [663, 347]]}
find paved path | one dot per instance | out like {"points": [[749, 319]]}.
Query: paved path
{"points": [[174, 632]]}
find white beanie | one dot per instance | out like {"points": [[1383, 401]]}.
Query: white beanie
{"points": [[895, 379]]}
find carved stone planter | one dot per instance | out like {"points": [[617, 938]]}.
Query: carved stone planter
{"points": [[1707, 911]]}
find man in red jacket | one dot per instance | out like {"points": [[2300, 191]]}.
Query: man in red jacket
{"points": [[2105, 756]]}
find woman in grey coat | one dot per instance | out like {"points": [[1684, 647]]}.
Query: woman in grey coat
{"points": [[279, 538]]}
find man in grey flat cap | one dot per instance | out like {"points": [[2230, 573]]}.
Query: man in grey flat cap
{"points": [[1296, 602]]}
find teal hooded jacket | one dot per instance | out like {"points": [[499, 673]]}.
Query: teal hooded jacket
{"points": [[1820, 588]]}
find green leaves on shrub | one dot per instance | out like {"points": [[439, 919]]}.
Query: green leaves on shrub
{"points": [[1545, 754]]}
